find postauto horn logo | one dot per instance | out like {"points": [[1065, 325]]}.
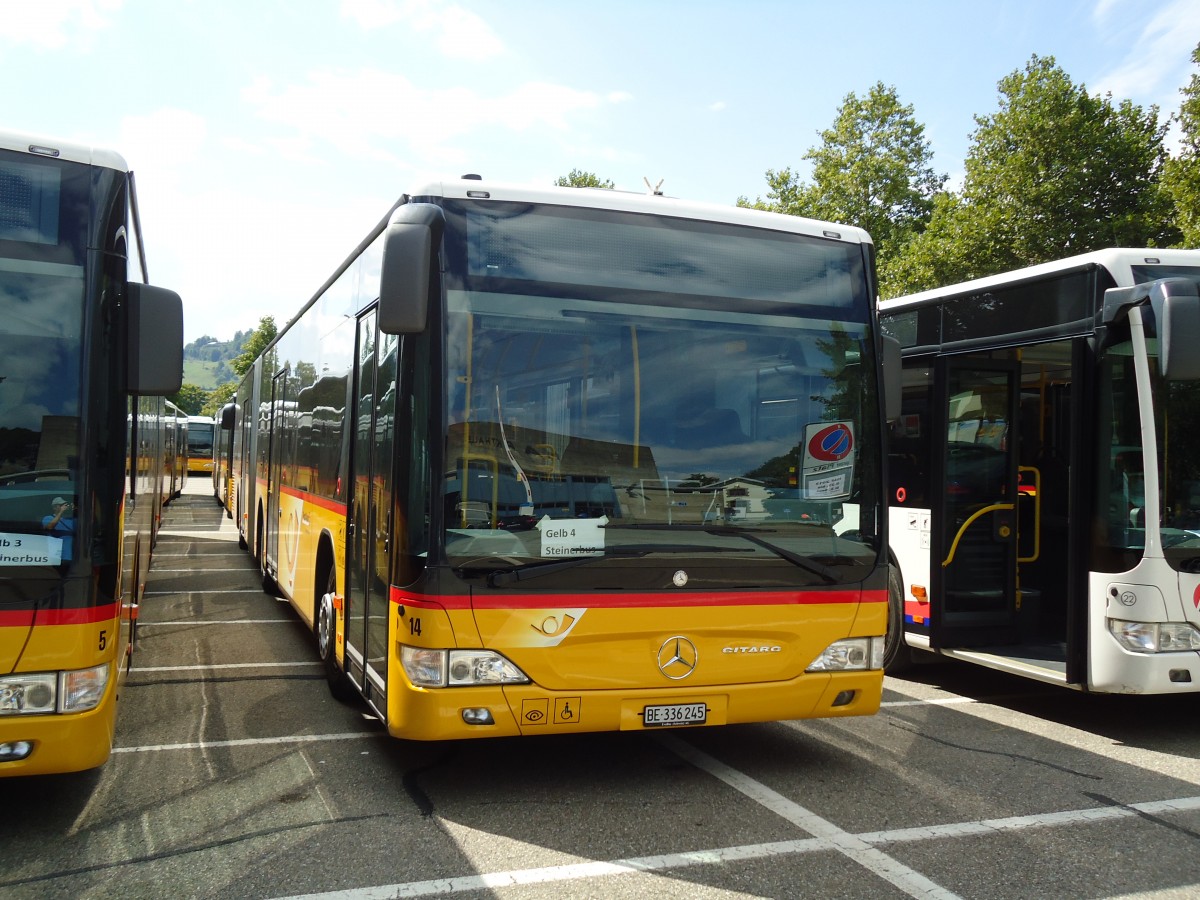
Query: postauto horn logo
{"points": [[832, 443]]}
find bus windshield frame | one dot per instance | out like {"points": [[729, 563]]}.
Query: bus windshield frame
{"points": [[616, 407]]}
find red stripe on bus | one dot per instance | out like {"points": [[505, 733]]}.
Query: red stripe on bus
{"points": [[24, 617], [634, 600], [315, 500]]}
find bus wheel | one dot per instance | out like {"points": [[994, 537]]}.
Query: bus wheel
{"points": [[326, 629], [897, 656]]}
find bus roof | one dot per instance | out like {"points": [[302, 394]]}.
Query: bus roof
{"points": [[53, 148], [1117, 261], [638, 202]]}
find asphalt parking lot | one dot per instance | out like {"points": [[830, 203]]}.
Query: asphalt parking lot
{"points": [[237, 775]]}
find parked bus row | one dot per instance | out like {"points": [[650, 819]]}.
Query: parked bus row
{"points": [[89, 350], [575, 460]]}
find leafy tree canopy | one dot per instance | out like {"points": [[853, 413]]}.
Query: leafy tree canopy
{"points": [[255, 345], [580, 178], [1181, 175], [873, 168], [1053, 172]]}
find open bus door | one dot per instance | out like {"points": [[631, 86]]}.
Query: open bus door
{"points": [[974, 539], [368, 545]]}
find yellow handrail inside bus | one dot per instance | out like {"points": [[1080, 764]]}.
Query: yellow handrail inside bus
{"points": [[995, 507]]}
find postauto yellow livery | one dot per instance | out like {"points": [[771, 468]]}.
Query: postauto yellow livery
{"points": [[83, 436], [537, 461]]}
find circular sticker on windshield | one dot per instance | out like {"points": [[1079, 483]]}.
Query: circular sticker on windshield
{"points": [[831, 444]]}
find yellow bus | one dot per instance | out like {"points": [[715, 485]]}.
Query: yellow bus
{"points": [[546, 461], [200, 446], [89, 349]]}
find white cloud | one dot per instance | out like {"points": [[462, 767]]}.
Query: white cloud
{"points": [[1157, 62], [458, 33], [378, 115], [718, 106], [51, 25]]}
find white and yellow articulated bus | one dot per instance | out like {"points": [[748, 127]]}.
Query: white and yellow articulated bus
{"points": [[89, 350], [1044, 473], [562, 460]]}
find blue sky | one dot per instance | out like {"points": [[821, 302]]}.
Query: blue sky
{"points": [[268, 136]]}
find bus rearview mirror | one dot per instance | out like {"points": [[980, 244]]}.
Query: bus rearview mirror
{"points": [[155, 341], [1176, 303], [891, 378], [410, 241]]}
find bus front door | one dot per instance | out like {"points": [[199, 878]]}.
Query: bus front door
{"points": [[275, 450], [368, 545], [974, 547]]}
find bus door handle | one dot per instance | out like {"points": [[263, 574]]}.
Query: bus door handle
{"points": [[1037, 513]]}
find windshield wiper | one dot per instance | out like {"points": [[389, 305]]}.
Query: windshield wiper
{"points": [[538, 568], [821, 570]]}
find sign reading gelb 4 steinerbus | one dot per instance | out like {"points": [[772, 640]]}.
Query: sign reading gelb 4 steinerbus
{"points": [[828, 460]]}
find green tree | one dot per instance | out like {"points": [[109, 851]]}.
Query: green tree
{"points": [[1181, 174], [1053, 172], [580, 178], [255, 345], [191, 399], [872, 169], [218, 398]]}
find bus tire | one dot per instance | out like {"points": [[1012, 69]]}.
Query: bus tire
{"points": [[897, 655], [325, 627]]}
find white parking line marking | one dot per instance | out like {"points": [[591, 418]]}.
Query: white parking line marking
{"points": [[137, 670], [876, 861], [144, 624], [1160, 762], [947, 701], [257, 592], [652, 864], [250, 742], [199, 556], [158, 570]]}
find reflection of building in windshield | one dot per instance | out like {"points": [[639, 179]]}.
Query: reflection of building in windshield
{"points": [[511, 479]]}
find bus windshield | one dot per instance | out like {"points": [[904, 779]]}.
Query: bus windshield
{"points": [[1177, 423], [42, 290], [200, 438], [628, 413]]}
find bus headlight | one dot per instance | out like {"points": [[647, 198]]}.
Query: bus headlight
{"points": [[850, 654], [28, 694], [1155, 637], [458, 668], [82, 690], [51, 692]]}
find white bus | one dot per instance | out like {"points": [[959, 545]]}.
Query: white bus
{"points": [[1044, 476]]}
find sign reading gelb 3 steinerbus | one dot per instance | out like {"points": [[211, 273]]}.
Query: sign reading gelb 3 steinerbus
{"points": [[828, 460], [30, 550]]}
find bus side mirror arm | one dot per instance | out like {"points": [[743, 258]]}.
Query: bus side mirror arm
{"points": [[891, 378], [155, 366], [411, 240]]}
